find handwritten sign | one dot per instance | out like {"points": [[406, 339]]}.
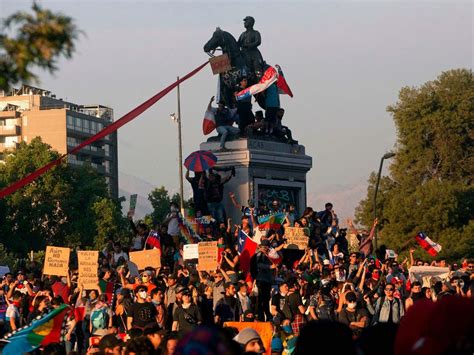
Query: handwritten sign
{"points": [[145, 258], [207, 256], [190, 251], [297, 238], [264, 329], [88, 263], [56, 261], [220, 64]]}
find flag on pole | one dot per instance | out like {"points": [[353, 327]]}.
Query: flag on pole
{"points": [[268, 78], [153, 240], [247, 247], [426, 243], [40, 332]]}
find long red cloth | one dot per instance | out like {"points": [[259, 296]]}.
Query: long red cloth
{"points": [[101, 134]]}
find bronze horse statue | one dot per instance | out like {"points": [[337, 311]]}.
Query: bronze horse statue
{"points": [[229, 80]]}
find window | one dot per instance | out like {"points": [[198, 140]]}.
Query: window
{"points": [[78, 124], [2, 139], [86, 126], [3, 122], [70, 122]]}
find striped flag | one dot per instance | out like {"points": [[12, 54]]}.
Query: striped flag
{"points": [[426, 243], [247, 247], [283, 86], [208, 123], [271, 221], [268, 78], [153, 240]]}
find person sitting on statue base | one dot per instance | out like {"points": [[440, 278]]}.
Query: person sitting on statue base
{"points": [[224, 121], [258, 126], [283, 132]]}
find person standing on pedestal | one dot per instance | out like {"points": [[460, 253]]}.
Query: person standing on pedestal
{"points": [[224, 121], [244, 109], [215, 194]]}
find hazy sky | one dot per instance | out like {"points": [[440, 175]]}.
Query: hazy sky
{"points": [[344, 61]]}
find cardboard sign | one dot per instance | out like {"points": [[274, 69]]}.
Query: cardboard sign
{"points": [[145, 258], [297, 238], [88, 264], [207, 256], [190, 251], [390, 254], [220, 64], [56, 261], [133, 204], [264, 329]]}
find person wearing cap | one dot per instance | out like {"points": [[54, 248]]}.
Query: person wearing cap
{"points": [[171, 283], [395, 271], [110, 345], [244, 108], [146, 280], [228, 309], [353, 315], [187, 314], [250, 341], [248, 43], [143, 313]]}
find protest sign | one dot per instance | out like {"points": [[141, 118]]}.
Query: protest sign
{"points": [[88, 263], [220, 64], [424, 274], [133, 204], [296, 238], [264, 329], [145, 258], [207, 256], [56, 261], [190, 251], [390, 254]]}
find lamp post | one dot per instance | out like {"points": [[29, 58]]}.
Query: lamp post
{"points": [[177, 118], [385, 156]]}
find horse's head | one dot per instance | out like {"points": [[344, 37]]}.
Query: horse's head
{"points": [[217, 40]]}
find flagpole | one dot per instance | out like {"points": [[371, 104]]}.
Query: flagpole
{"points": [[181, 187]]}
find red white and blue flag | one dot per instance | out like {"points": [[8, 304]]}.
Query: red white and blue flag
{"points": [[426, 243], [153, 240], [247, 247], [208, 123], [283, 86], [268, 78]]}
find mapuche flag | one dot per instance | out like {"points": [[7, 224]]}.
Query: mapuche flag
{"points": [[271, 221], [426, 243], [40, 332]]}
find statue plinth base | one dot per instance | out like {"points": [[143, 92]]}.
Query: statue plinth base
{"points": [[265, 170]]}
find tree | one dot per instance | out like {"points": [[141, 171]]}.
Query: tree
{"points": [[430, 187], [160, 201], [109, 223], [55, 209], [41, 39]]}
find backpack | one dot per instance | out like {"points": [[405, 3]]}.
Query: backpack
{"points": [[99, 318]]}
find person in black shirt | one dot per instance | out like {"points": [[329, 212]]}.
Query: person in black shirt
{"points": [[143, 314], [215, 194], [186, 316], [228, 308], [279, 308]]}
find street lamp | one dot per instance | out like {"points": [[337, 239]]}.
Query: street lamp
{"points": [[177, 118], [385, 156]]}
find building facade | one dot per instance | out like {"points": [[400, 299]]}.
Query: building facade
{"points": [[31, 112]]}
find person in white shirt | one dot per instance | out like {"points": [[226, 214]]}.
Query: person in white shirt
{"points": [[119, 254], [173, 224]]}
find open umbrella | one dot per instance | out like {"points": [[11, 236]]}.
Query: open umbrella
{"points": [[200, 160]]}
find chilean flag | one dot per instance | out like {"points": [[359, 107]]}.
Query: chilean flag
{"points": [[208, 123], [268, 78], [247, 248], [283, 87], [426, 243], [153, 240]]}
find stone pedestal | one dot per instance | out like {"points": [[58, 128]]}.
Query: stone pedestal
{"points": [[265, 170]]}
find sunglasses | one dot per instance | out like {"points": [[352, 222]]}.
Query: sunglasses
{"points": [[389, 289]]}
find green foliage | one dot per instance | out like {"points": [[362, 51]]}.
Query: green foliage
{"points": [[430, 187], [160, 201], [55, 209], [110, 223], [40, 39]]}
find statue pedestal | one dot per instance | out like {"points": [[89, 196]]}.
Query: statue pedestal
{"points": [[265, 170]]}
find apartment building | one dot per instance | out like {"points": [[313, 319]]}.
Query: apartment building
{"points": [[30, 112]]}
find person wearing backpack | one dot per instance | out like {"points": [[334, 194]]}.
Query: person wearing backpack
{"points": [[387, 309], [101, 317]]}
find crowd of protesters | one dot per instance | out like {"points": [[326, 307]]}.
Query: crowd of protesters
{"points": [[327, 297]]}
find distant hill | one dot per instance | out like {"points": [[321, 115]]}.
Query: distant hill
{"points": [[129, 184]]}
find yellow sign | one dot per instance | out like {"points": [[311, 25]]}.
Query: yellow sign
{"points": [[296, 238], [146, 258], [88, 264], [207, 252], [56, 261]]}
